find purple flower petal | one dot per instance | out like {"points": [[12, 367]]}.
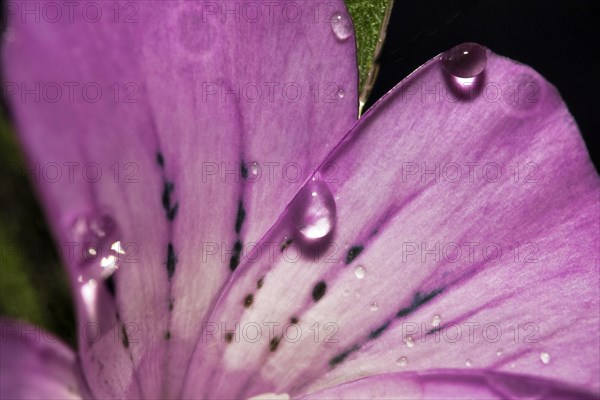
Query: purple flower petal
{"points": [[152, 111], [36, 365], [452, 384], [504, 254]]}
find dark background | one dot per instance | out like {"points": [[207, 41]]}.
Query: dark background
{"points": [[558, 38]]}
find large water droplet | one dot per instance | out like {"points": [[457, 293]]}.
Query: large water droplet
{"points": [[465, 65], [402, 361], [341, 26], [360, 271], [410, 342], [466, 60], [545, 358], [374, 306], [97, 237], [313, 210], [436, 321]]}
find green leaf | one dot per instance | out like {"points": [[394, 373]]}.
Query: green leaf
{"points": [[33, 285], [370, 19]]}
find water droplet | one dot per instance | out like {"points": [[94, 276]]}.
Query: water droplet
{"points": [[341, 93], [374, 306], [466, 60], [410, 342], [468, 363], [313, 210], [402, 361], [499, 352], [253, 168], [101, 250], [360, 271], [341, 26], [465, 65], [436, 321], [545, 358]]}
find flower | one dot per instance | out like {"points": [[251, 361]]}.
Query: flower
{"points": [[233, 231]]}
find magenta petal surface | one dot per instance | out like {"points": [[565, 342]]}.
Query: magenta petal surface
{"points": [[452, 384], [496, 268], [190, 128], [36, 365]]}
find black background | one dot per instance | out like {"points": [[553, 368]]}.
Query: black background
{"points": [[559, 39]]}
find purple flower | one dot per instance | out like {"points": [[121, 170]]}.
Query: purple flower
{"points": [[230, 229]]}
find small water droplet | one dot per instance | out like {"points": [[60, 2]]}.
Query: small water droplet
{"points": [[360, 271], [341, 26], [499, 352], [253, 168], [410, 342], [374, 306], [341, 93], [313, 210], [468, 363], [436, 321], [467, 60], [402, 361], [545, 358]]}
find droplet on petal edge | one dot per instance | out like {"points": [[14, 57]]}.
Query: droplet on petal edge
{"points": [[360, 271], [466, 60], [545, 358], [465, 65], [313, 210], [341, 26]]}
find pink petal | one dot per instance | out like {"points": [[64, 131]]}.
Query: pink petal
{"points": [[451, 384], [36, 365], [545, 220], [159, 127]]}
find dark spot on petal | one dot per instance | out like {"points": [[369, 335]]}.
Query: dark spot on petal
{"points": [[241, 215], [248, 300], [110, 285], [235, 258], [229, 337], [342, 356], [160, 160], [168, 335], [166, 195], [319, 291], [418, 300], [125, 338], [286, 244], [353, 253], [244, 170], [274, 343], [434, 330], [172, 212], [293, 320], [170, 304], [260, 283], [377, 332], [171, 261]]}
